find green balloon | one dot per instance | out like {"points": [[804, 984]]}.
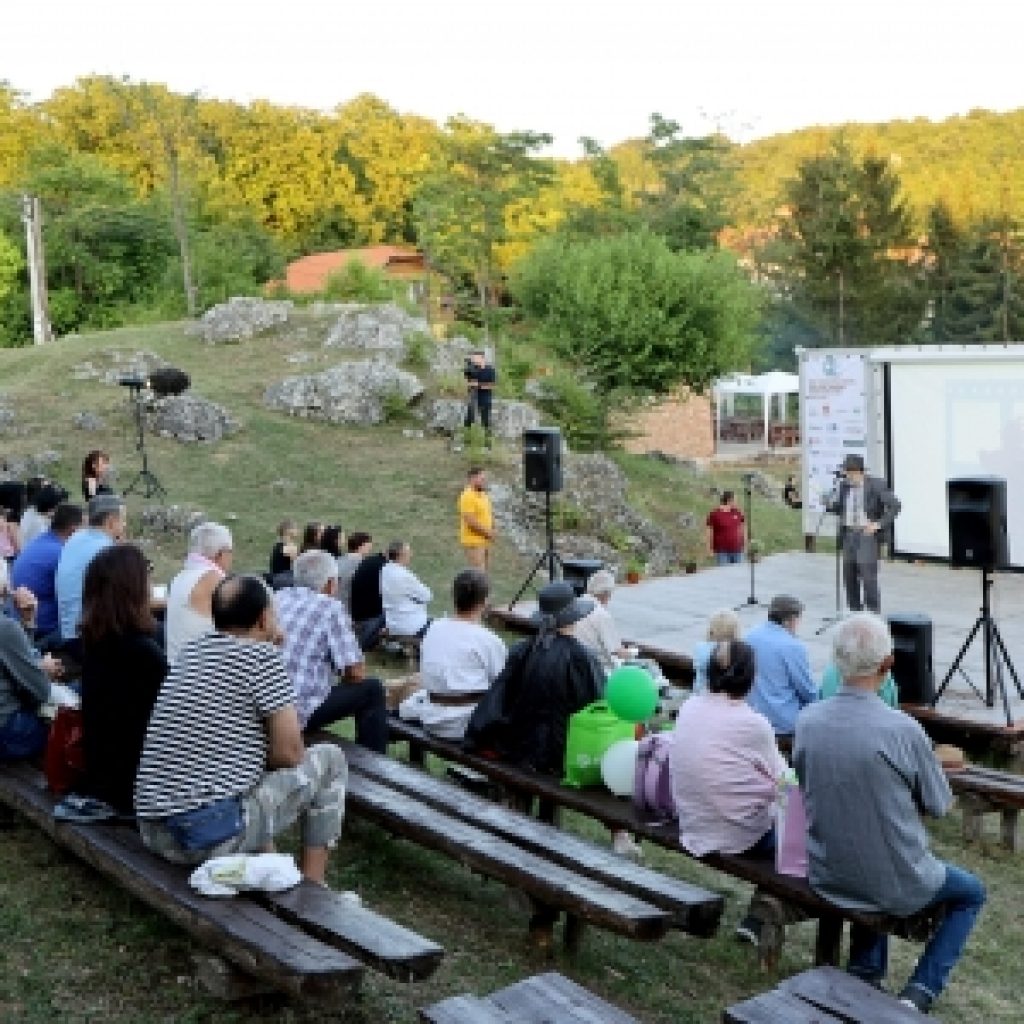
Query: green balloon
{"points": [[632, 693]]}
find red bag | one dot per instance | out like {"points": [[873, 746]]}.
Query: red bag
{"points": [[64, 762]]}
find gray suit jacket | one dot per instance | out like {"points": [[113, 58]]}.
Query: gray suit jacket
{"points": [[880, 504]]}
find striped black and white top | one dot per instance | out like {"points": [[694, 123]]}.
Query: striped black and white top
{"points": [[206, 738]]}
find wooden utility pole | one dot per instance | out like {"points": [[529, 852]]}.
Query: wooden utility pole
{"points": [[32, 215]]}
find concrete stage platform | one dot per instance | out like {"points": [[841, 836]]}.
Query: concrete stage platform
{"points": [[671, 612]]}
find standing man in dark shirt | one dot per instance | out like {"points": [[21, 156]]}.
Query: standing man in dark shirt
{"points": [[366, 608], [480, 380], [726, 531]]}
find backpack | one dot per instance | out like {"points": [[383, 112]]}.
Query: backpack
{"points": [[64, 760], [652, 783]]}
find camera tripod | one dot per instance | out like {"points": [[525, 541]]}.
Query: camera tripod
{"points": [[548, 556], [145, 481], [996, 657]]}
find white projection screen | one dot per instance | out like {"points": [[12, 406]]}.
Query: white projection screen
{"points": [[954, 415]]}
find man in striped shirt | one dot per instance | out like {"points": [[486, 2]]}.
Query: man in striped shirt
{"points": [[224, 767], [318, 646]]}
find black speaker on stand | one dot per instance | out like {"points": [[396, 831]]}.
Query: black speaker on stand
{"points": [[542, 471], [912, 658]]}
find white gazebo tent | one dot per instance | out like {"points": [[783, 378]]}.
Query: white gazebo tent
{"points": [[773, 387]]}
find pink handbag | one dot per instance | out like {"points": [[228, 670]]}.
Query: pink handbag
{"points": [[791, 833]]}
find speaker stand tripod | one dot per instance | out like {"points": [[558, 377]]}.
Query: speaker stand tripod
{"points": [[751, 601], [145, 481], [996, 657], [549, 556]]}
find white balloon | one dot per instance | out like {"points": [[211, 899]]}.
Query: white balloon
{"points": [[618, 766]]}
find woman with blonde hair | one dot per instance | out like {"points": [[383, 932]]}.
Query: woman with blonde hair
{"points": [[723, 625]]}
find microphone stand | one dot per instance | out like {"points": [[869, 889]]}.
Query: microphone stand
{"points": [[831, 620], [751, 601]]}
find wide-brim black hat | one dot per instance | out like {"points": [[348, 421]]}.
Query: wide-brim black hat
{"points": [[558, 601], [854, 462]]}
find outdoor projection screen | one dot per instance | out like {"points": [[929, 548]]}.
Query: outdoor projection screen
{"points": [[953, 417]]}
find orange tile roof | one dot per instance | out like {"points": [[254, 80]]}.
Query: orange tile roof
{"points": [[310, 273]]}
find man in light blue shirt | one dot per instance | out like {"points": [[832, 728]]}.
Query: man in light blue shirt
{"points": [[106, 526], [783, 683]]}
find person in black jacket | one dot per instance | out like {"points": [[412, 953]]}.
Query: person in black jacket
{"points": [[546, 679], [366, 608], [122, 671]]}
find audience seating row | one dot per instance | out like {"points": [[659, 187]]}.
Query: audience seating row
{"points": [[793, 895]]}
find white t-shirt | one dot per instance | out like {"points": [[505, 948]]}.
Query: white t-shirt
{"points": [[404, 599], [457, 657]]}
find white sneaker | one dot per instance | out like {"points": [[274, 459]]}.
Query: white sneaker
{"points": [[625, 846]]}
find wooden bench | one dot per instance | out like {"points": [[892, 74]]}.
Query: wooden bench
{"points": [[689, 908], [985, 791], [785, 899], [822, 996], [675, 667], [542, 999], [305, 941]]}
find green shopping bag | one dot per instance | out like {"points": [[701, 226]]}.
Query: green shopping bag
{"points": [[591, 732]]}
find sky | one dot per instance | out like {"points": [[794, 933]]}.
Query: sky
{"points": [[566, 67]]}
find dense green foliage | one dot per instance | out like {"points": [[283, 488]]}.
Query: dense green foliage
{"points": [[635, 315]]}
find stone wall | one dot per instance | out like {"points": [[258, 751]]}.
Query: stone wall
{"points": [[682, 425]]}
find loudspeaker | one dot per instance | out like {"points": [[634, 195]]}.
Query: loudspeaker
{"points": [[977, 522], [542, 459], [912, 658], [577, 572]]}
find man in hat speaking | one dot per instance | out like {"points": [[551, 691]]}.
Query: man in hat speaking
{"points": [[866, 509]]}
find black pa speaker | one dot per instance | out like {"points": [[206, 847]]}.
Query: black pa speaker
{"points": [[542, 459], [977, 522], [912, 658], [577, 572]]}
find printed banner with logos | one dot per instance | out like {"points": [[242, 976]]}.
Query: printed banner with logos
{"points": [[833, 411]]}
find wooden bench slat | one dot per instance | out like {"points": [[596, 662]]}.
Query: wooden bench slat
{"points": [[248, 935], [693, 909], [373, 939], [777, 1008], [550, 883], [553, 997], [466, 1010], [851, 1000]]}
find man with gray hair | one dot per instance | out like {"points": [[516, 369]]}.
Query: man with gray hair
{"points": [[106, 526], [869, 774], [190, 595], [319, 645], [597, 631]]}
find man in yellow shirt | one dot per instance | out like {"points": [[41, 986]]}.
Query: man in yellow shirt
{"points": [[476, 520]]}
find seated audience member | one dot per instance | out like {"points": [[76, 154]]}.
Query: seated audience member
{"points": [[783, 684], [190, 595], [25, 679], [403, 596], [36, 567], [546, 679], [10, 539], [869, 774], [311, 536], [224, 743], [122, 669], [287, 547], [106, 525], [725, 767], [366, 608], [94, 474], [597, 631], [318, 646], [459, 660], [831, 681], [43, 499], [722, 626], [358, 546], [790, 494], [331, 541]]}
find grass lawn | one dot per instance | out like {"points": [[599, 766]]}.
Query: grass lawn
{"points": [[77, 949]]}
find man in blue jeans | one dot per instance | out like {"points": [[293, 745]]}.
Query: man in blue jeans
{"points": [[869, 774]]}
